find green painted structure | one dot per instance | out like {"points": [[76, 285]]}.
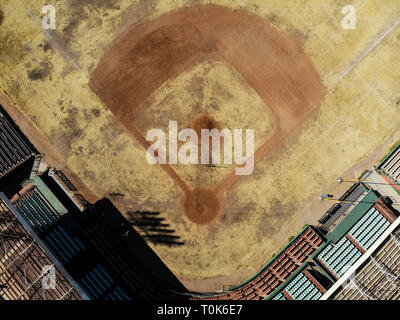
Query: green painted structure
{"points": [[352, 217], [388, 155], [49, 196]]}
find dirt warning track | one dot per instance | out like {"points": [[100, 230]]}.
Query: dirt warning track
{"points": [[148, 54]]}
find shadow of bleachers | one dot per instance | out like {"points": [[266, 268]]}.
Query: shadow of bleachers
{"points": [[10, 184], [131, 243], [153, 228]]}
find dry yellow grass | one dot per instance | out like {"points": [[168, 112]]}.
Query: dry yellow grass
{"points": [[360, 110], [214, 88]]}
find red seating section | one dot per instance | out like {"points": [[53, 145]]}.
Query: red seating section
{"points": [[285, 264]]}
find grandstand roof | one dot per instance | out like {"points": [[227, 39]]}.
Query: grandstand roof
{"points": [[354, 215], [38, 241], [14, 146], [49, 196]]}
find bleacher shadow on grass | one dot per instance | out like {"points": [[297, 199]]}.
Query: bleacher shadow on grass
{"points": [[153, 228], [133, 244]]}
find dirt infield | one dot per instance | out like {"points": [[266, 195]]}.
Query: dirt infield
{"points": [[150, 53]]}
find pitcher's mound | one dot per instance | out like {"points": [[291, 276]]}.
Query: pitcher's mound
{"points": [[202, 205], [204, 121]]}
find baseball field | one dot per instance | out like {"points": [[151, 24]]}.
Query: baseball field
{"points": [[323, 102]]}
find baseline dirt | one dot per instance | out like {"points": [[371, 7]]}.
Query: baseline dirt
{"points": [[148, 54], [52, 156]]}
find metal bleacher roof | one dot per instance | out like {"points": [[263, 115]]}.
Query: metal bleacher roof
{"points": [[15, 148], [352, 217], [42, 245], [49, 196], [336, 211]]}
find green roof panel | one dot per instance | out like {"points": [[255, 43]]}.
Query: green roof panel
{"points": [[354, 215], [49, 196]]}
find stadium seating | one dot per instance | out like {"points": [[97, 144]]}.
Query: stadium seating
{"points": [[301, 287], [130, 275], [373, 278], [338, 258], [63, 245], [21, 268], [97, 282], [39, 215], [391, 165], [279, 269], [369, 228]]}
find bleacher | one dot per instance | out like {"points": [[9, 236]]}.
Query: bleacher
{"points": [[44, 219], [39, 207], [377, 279], [14, 147], [98, 281], [301, 286], [33, 208], [338, 258], [279, 296], [390, 166], [355, 235], [369, 228], [128, 273], [118, 294], [63, 245], [21, 263], [277, 270]]}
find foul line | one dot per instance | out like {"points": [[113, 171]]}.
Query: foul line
{"points": [[368, 49], [66, 56]]}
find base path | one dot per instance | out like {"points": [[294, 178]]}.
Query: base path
{"points": [[150, 53]]}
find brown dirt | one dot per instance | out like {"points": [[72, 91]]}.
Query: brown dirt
{"points": [[151, 52], [40, 73], [204, 121], [202, 205], [1, 17]]}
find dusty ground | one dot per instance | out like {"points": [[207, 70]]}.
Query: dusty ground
{"points": [[47, 75], [216, 89]]}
